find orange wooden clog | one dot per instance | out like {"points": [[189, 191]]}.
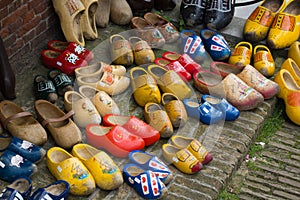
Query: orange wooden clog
{"points": [[241, 55], [263, 60]]}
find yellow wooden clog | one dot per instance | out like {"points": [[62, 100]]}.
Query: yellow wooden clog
{"points": [[285, 28], [64, 166], [120, 50], [106, 173], [169, 81], [263, 60], [194, 146], [290, 65], [175, 109], [241, 55], [143, 54], [290, 93], [294, 52], [182, 159], [144, 87], [260, 20]]}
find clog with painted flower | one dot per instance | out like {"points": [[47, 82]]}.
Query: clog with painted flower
{"points": [[285, 29], [169, 81], [110, 83], [263, 60], [63, 166], [144, 87], [194, 146], [241, 54], [290, 93], [158, 118], [175, 109], [290, 65], [120, 50], [106, 173], [182, 159], [260, 20]]}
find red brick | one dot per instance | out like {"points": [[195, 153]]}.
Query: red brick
{"points": [[3, 13], [15, 26], [4, 3], [17, 14], [28, 16]]}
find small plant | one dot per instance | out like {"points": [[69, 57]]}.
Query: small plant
{"points": [[224, 195]]}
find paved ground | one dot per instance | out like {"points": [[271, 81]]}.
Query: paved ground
{"points": [[275, 174]]}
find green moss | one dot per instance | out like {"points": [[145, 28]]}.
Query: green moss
{"points": [[224, 195]]}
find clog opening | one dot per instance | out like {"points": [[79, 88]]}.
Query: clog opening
{"points": [[59, 156], [121, 120], [10, 110], [134, 171], [89, 69], [193, 104], [296, 68], [86, 152], [223, 67], [293, 8], [272, 5], [92, 79], [182, 142], [138, 72], [52, 54], [208, 78], [21, 185], [172, 56], [213, 100], [158, 71], [73, 96], [56, 189], [170, 149], [87, 91], [141, 158], [100, 131], [60, 45], [167, 97], [153, 107], [290, 82]]}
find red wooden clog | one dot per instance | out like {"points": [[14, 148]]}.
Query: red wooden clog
{"points": [[114, 139], [135, 126]]}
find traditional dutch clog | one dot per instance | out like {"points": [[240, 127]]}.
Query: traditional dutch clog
{"points": [[263, 60], [63, 129], [14, 166], [57, 190], [114, 139], [44, 89], [110, 83], [144, 86], [175, 66], [193, 13], [290, 93], [151, 162], [257, 26], [285, 29], [65, 61], [85, 111], [61, 81], [63, 166], [223, 68], [194, 146], [100, 67], [205, 112], [294, 52], [120, 50], [144, 182], [80, 51], [169, 81], [21, 124], [106, 173], [175, 109], [215, 44], [182, 159], [231, 113], [158, 118], [291, 66], [26, 149], [192, 45], [18, 189], [242, 54], [88, 19], [143, 54], [135, 126]]}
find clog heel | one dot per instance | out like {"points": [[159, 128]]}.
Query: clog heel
{"points": [[290, 93], [241, 55], [63, 166], [263, 60]]}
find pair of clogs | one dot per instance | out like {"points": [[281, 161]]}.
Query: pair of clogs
{"points": [[77, 19], [243, 87], [128, 51], [288, 80], [104, 77], [65, 56], [147, 174], [21, 188], [276, 21], [262, 57], [18, 158], [84, 169], [211, 109], [154, 29], [187, 154]]}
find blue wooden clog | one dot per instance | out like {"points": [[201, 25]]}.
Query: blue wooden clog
{"points": [[13, 166], [144, 182], [151, 162], [205, 112], [55, 191], [24, 148], [231, 112], [18, 189]]}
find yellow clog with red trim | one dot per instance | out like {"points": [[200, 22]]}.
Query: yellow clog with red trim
{"points": [[263, 60], [106, 173], [290, 93], [64, 166], [241, 56], [285, 28]]}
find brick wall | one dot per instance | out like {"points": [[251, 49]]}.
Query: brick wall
{"points": [[26, 24]]}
